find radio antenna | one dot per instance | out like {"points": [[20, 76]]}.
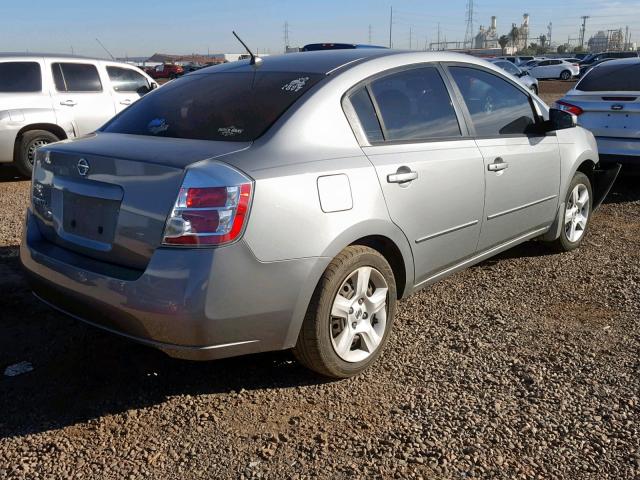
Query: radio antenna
{"points": [[105, 49], [255, 60]]}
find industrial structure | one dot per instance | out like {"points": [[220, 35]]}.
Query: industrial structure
{"points": [[487, 38]]}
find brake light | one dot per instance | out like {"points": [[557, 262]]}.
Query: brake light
{"points": [[567, 107], [209, 215]]}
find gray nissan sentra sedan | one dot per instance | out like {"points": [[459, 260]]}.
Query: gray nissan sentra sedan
{"points": [[246, 208]]}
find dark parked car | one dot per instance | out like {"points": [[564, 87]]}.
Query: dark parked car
{"points": [[312, 47]]}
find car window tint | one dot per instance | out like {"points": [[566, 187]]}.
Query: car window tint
{"points": [[496, 106], [226, 106], [20, 77], [415, 105], [76, 77], [367, 115], [612, 77], [127, 80]]}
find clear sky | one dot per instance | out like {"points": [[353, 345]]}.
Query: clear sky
{"points": [[141, 27]]}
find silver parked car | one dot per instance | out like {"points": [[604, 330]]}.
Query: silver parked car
{"points": [[607, 102], [291, 203], [45, 98], [522, 75]]}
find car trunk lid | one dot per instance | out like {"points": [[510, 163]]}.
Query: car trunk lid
{"points": [[108, 196], [609, 114]]}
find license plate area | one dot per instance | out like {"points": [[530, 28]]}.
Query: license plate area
{"points": [[90, 217], [618, 120]]}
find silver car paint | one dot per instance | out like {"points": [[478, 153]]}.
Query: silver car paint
{"points": [[252, 295], [618, 141]]}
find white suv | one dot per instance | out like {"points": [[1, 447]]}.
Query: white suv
{"points": [[46, 98]]}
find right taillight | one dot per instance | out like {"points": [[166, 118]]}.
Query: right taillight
{"points": [[567, 107], [211, 209]]}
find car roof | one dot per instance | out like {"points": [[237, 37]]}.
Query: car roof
{"points": [[47, 55], [329, 61]]}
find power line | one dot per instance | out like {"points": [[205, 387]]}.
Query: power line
{"points": [[468, 36]]}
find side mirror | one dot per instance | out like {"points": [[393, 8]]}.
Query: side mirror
{"points": [[561, 120], [154, 85]]}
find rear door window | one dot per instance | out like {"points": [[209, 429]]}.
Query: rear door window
{"points": [[127, 80], [367, 115], [226, 106], [415, 106], [496, 106], [20, 77], [76, 77], [612, 77]]}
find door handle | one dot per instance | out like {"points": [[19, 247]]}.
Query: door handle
{"points": [[498, 165], [403, 175], [125, 102], [68, 103]]}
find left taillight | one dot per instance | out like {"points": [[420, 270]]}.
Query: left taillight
{"points": [[568, 107], [212, 208]]}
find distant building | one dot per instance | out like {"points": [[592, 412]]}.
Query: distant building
{"points": [[607, 41], [487, 38], [522, 39]]}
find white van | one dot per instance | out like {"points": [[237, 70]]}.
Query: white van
{"points": [[46, 98]]}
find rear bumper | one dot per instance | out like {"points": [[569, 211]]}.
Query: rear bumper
{"points": [[619, 150], [197, 304]]}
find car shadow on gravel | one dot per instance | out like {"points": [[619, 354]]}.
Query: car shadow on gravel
{"points": [[10, 174], [627, 187], [81, 373]]}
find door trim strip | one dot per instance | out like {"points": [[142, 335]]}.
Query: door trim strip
{"points": [[521, 207], [481, 256], [448, 230]]}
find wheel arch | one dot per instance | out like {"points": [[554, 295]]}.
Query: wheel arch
{"points": [[56, 130], [392, 254]]}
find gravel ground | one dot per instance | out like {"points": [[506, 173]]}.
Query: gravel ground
{"points": [[525, 366]]}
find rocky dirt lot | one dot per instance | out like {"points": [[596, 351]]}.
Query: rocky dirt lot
{"points": [[526, 366]]}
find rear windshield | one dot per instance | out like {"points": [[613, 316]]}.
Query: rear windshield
{"points": [[612, 77], [234, 106], [16, 77]]}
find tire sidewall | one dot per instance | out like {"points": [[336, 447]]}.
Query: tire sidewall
{"points": [[28, 138], [323, 315], [578, 178]]}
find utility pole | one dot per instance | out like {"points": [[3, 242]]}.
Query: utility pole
{"points": [[286, 36], [468, 36], [583, 29], [549, 31], [370, 34], [391, 28], [626, 39], [410, 36], [438, 47]]}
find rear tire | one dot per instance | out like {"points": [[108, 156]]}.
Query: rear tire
{"points": [[26, 149], [347, 324], [577, 215], [565, 75]]}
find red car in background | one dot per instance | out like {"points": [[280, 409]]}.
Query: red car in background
{"points": [[166, 70]]}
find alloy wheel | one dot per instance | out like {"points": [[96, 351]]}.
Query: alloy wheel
{"points": [[576, 213], [359, 315]]}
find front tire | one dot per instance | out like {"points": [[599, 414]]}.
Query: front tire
{"points": [[350, 316], [27, 146], [577, 214]]}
